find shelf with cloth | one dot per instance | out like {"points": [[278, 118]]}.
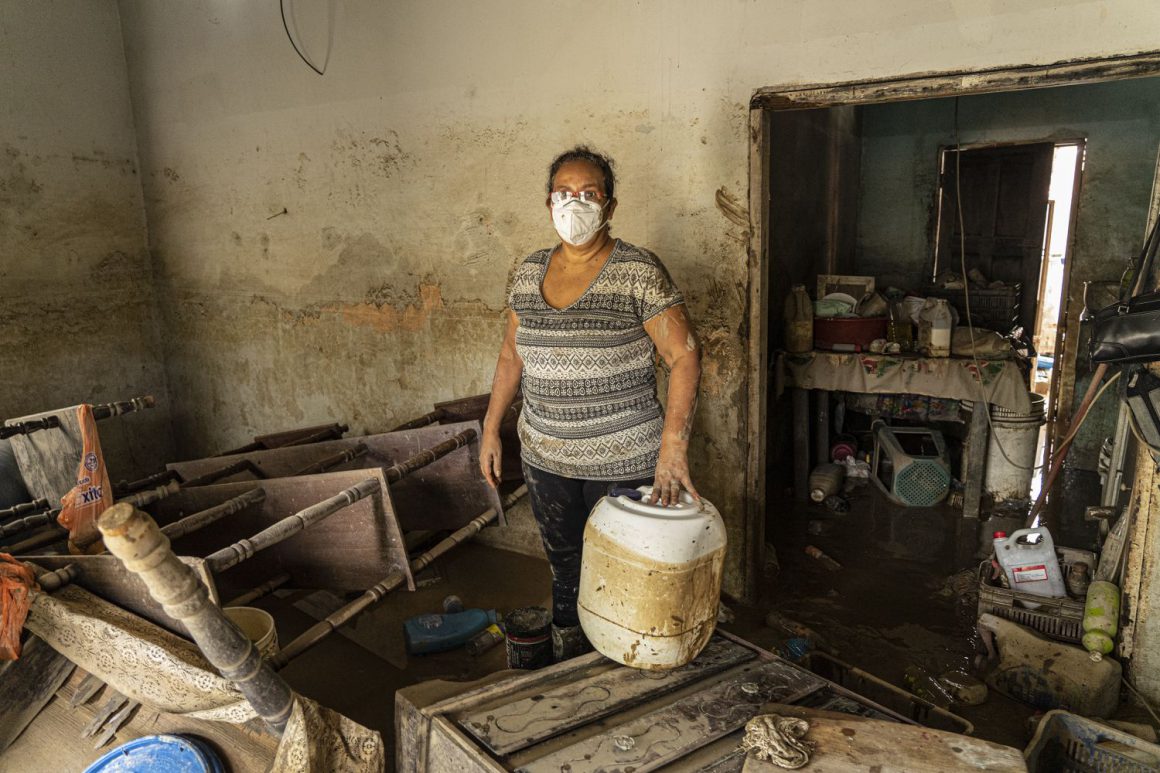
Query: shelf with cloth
{"points": [[957, 378]]}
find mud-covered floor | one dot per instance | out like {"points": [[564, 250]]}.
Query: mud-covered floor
{"points": [[891, 606]]}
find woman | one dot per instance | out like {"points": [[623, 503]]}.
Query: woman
{"points": [[585, 320]]}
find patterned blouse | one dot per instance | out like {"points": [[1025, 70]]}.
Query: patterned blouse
{"points": [[589, 382]]}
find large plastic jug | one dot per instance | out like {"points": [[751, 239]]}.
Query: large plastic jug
{"points": [[1049, 674], [650, 578], [934, 328], [799, 321], [1030, 566]]}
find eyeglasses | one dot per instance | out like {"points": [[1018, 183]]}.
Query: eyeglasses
{"points": [[559, 197]]}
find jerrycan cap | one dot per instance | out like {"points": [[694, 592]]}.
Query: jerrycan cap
{"points": [[634, 500], [999, 535]]}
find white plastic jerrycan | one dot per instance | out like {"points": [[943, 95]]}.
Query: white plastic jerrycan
{"points": [[650, 578], [1030, 566]]}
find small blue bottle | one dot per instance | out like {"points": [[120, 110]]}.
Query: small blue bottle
{"points": [[429, 633]]}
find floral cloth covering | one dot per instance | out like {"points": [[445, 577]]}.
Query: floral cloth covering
{"points": [[909, 407], [1002, 383]]}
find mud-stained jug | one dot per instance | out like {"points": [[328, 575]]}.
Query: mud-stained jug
{"points": [[650, 578]]}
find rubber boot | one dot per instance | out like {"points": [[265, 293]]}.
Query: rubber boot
{"points": [[568, 642]]}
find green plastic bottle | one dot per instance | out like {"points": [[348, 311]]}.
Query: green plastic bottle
{"points": [[1101, 615]]}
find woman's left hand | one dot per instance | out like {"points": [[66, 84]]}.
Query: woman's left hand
{"points": [[672, 475]]}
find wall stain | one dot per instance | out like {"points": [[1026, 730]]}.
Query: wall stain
{"points": [[733, 210], [380, 155], [387, 318]]}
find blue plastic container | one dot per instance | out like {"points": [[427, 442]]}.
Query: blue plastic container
{"points": [[425, 634], [160, 754]]}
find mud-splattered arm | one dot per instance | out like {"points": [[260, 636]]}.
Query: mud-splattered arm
{"points": [[676, 341], [504, 386]]}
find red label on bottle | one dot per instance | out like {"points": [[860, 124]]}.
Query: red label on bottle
{"points": [[1030, 573]]}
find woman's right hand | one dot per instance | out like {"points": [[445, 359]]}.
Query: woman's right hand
{"points": [[491, 458]]}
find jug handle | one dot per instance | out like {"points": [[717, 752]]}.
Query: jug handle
{"points": [[1019, 537], [621, 491]]}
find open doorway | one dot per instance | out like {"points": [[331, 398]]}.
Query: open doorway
{"points": [[1005, 217], [845, 180]]}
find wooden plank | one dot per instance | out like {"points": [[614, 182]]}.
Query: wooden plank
{"points": [[667, 734], [27, 684], [757, 381], [957, 83], [975, 461], [522, 723], [801, 444], [822, 427], [474, 408], [350, 551], [445, 494], [107, 577]]}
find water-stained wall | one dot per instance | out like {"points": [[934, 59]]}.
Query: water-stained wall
{"points": [[337, 247], [77, 315], [1120, 122]]}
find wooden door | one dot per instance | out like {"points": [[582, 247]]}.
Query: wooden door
{"points": [[1004, 192]]}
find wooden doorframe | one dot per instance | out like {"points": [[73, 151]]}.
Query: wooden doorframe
{"points": [[869, 92]]}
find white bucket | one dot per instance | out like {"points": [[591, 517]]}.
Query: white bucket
{"points": [[258, 625], [1018, 435]]}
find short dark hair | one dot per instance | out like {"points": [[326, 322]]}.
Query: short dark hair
{"points": [[585, 153]]}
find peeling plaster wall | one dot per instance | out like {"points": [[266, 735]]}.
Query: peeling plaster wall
{"points": [[1121, 123], [77, 310], [412, 178]]}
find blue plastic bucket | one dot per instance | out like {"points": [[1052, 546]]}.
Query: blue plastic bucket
{"points": [[160, 754]]}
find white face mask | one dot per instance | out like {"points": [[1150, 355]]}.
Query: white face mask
{"points": [[577, 221]]}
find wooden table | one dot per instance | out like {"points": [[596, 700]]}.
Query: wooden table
{"points": [[590, 714], [995, 381]]}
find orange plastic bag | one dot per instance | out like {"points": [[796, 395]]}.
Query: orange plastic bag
{"points": [[16, 584], [92, 493]]}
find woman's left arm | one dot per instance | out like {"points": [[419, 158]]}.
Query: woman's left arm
{"points": [[672, 333]]}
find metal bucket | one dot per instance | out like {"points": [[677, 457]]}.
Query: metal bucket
{"points": [[1009, 477]]}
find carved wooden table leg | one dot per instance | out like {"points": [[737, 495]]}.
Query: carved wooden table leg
{"points": [[133, 537]]}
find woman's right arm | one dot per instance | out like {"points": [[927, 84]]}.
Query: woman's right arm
{"points": [[504, 387]]}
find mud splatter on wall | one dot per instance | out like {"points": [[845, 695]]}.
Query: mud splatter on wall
{"points": [[412, 177], [77, 308]]}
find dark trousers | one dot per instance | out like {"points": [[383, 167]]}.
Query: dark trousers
{"points": [[561, 506]]}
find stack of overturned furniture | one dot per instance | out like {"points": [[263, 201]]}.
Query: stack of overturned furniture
{"points": [[302, 509]]}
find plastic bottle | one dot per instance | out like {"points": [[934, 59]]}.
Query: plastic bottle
{"points": [[825, 481], [1030, 566], [900, 329], [484, 640], [1101, 615], [452, 604], [934, 328], [799, 321], [1078, 579], [438, 633]]}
